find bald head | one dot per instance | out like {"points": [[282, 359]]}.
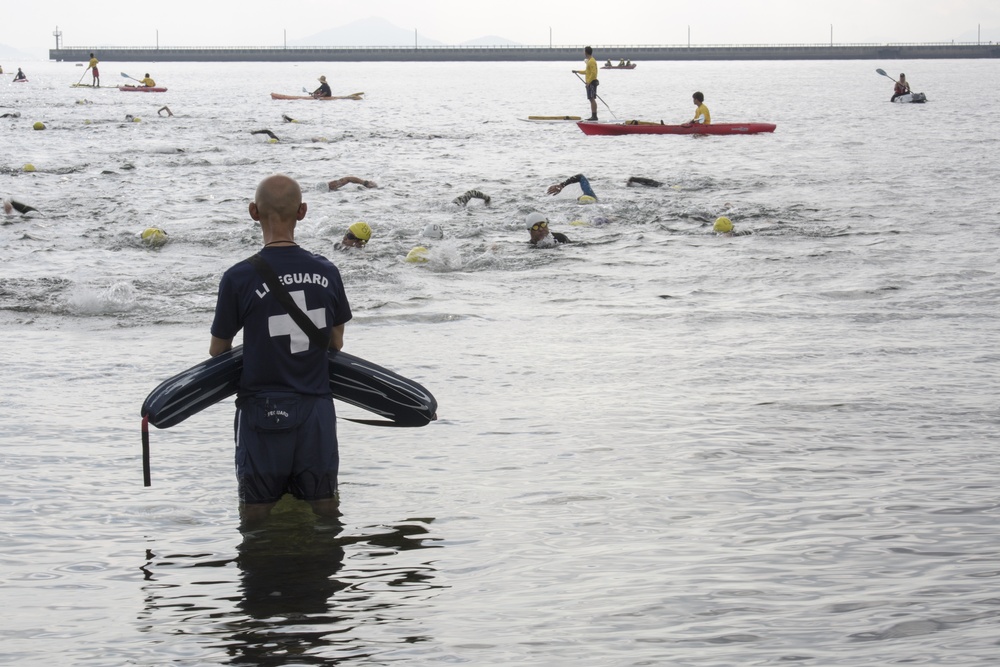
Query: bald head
{"points": [[277, 206], [278, 198]]}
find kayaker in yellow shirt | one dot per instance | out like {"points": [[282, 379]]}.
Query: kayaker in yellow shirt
{"points": [[590, 78], [701, 114], [148, 82], [92, 66]]}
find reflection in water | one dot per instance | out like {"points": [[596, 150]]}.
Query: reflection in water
{"points": [[296, 602]]}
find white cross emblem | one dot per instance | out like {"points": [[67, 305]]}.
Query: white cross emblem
{"points": [[284, 325]]}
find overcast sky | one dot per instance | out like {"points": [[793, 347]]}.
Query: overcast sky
{"points": [[28, 24]]}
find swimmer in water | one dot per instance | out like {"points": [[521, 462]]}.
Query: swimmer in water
{"points": [[469, 195], [11, 205], [341, 182], [357, 236], [584, 185]]}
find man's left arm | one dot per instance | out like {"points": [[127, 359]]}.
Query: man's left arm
{"points": [[219, 345]]}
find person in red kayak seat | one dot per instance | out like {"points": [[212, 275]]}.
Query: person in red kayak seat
{"points": [[148, 82], [323, 90], [701, 114]]}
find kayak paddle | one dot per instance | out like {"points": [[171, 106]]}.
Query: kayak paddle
{"points": [[130, 77]]}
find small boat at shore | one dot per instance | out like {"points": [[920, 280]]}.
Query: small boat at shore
{"points": [[352, 96], [652, 127], [142, 89]]}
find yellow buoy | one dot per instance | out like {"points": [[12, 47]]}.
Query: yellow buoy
{"points": [[153, 236], [417, 255]]}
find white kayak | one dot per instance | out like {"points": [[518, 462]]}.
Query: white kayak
{"points": [[911, 98]]}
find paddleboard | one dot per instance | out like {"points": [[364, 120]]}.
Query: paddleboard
{"points": [[353, 380]]}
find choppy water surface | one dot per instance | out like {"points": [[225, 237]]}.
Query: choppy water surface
{"points": [[656, 446]]}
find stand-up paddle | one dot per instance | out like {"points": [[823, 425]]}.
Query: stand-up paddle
{"points": [[598, 96]]}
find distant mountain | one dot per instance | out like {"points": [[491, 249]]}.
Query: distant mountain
{"points": [[9, 53], [365, 32]]}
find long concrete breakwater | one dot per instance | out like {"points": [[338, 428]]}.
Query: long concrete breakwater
{"points": [[526, 53]]}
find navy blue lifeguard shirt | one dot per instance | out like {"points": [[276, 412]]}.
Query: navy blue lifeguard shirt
{"points": [[277, 354]]}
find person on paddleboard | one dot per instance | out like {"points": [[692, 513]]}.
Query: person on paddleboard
{"points": [[323, 90], [20, 76], [541, 237], [148, 82], [92, 66], [901, 88], [701, 114], [590, 78], [286, 425], [588, 196], [358, 235], [341, 182]]}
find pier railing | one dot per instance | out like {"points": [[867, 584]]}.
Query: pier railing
{"points": [[635, 52]]}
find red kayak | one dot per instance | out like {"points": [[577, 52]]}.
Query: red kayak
{"points": [[352, 96], [142, 89], [647, 127]]}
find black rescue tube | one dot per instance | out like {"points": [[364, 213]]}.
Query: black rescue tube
{"points": [[398, 400]]}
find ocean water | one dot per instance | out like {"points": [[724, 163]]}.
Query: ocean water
{"points": [[656, 446]]}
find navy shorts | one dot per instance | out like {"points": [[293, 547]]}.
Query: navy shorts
{"points": [[286, 443], [592, 90]]}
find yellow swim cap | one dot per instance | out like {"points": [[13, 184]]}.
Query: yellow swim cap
{"points": [[586, 199], [153, 236], [417, 255], [29, 167], [361, 230], [39, 125], [723, 225]]}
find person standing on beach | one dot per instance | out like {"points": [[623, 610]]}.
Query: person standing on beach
{"points": [[590, 78], [286, 430], [92, 66]]}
